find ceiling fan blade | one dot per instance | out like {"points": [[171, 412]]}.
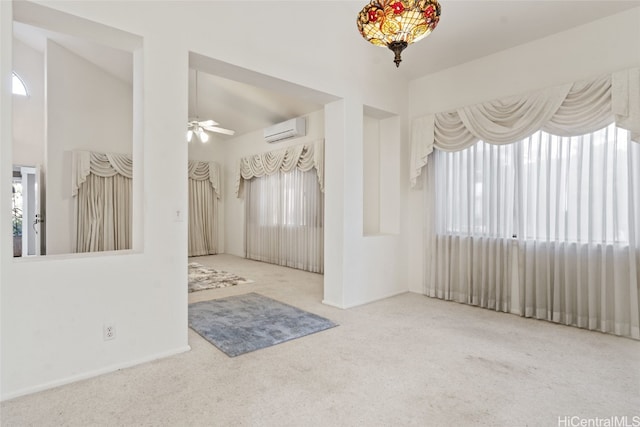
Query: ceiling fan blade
{"points": [[219, 130], [209, 122]]}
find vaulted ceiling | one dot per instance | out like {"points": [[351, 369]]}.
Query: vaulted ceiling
{"points": [[468, 30]]}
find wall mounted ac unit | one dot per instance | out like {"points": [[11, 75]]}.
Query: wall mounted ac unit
{"points": [[289, 129]]}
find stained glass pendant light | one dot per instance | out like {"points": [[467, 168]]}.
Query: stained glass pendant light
{"points": [[398, 23]]}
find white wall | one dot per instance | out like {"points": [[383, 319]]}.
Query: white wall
{"points": [[245, 145], [87, 109], [53, 308], [210, 151], [603, 46], [28, 112], [391, 159], [381, 169], [371, 171], [364, 268]]}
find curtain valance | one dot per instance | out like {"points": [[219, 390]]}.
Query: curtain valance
{"points": [[201, 171], [100, 164], [303, 157], [567, 110]]}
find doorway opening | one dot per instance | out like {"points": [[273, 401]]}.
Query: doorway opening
{"points": [[27, 225]]}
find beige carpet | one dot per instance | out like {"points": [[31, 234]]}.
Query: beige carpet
{"points": [[407, 360]]}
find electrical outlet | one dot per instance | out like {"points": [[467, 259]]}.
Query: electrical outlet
{"points": [[108, 331], [178, 216]]}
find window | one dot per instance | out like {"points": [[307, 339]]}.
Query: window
{"points": [[545, 187], [284, 220], [16, 206], [18, 86], [475, 190]]}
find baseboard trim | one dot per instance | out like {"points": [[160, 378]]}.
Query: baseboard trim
{"points": [[332, 304], [94, 373], [364, 302]]}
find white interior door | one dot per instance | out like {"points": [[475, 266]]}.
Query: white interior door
{"points": [[32, 230]]}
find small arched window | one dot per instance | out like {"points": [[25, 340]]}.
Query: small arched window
{"points": [[18, 86]]}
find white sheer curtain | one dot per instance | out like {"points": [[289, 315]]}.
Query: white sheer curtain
{"points": [[284, 219], [204, 194], [470, 204], [102, 187], [580, 217], [546, 227]]}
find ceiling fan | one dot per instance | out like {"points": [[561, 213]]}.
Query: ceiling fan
{"points": [[198, 127]]}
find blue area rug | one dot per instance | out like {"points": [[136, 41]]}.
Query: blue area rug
{"points": [[244, 323]]}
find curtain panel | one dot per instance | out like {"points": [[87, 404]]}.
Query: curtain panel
{"points": [[284, 220], [204, 194], [303, 157], [567, 110], [102, 188], [103, 214], [546, 228], [468, 230]]}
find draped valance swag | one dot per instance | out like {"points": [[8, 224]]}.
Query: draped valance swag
{"points": [[567, 110], [303, 157], [100, 164], [202, 171], [101, 184], [110, 164]]}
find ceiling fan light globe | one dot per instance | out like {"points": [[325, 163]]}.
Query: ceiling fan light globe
{"points": [[204, 137], [189, 135]]}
